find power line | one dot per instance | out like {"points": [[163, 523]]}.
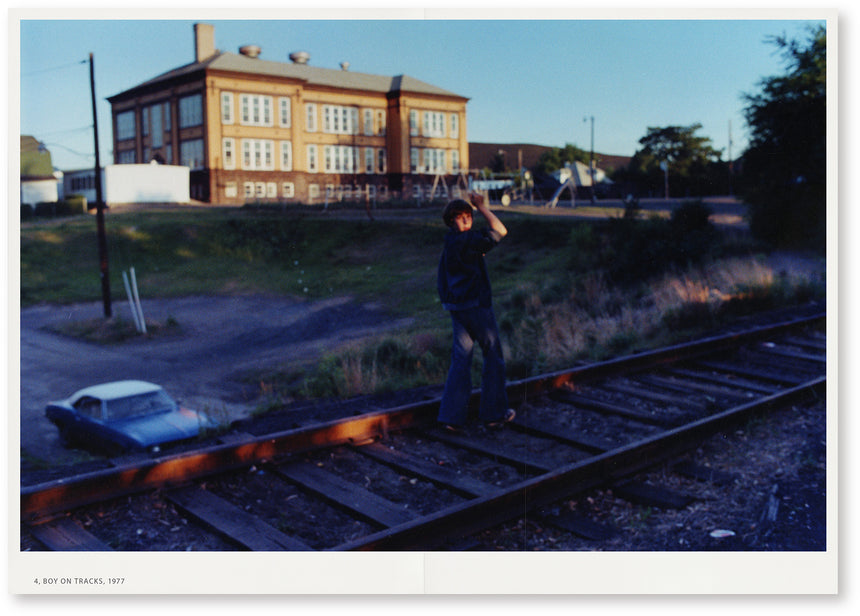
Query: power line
{"points": [[55, 68], [88, 156], [67, 131]]}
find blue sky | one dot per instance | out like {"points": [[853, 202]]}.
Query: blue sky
{"points": [[528, 80]]}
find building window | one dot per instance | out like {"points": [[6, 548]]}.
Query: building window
{"points": [[191, 153], [286, 155], [145, 122], [284, 113], [191, 111], [381, 159], [125, 157], [256, 110], [168, 154], [167, 116], [258, 155], [288, 190], [380, 122], [271, 190], [339, 159], [229, 152], [340, 120], [455, 126], [311, 117], [226, 108], [434, 160], [125, 125], [249, 190], [368, 160], [260, 190], [313, 159], [413, 123], [313, 190], [434, 124], [413, 160], [231, 190], [455, 160], [368, 121], [155, 118]]}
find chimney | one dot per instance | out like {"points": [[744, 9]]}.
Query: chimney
{"points": [[344, 66], [204, 41]]}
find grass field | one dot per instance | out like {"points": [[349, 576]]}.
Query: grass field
{"points": [[565, 289]]}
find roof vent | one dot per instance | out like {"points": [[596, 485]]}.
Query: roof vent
{"points": [[300, 57], [252, 51], [344, 66]]}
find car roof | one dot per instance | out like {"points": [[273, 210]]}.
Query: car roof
{"points": [[117, 389]]}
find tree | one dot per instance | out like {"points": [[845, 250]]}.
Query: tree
{"points": [[555, 158], [693, 165], [785, 165]]}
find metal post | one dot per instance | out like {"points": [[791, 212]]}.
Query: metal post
{"points": [[591, 164], [100, 215]]}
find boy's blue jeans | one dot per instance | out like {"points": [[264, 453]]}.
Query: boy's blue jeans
{"points": [[471, 326]]}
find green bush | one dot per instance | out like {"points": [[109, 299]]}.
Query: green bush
{"points": [[72, 206]]}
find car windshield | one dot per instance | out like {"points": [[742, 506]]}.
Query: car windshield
{"points": [[144, 404]]}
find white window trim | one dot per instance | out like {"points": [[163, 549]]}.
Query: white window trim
{"points": [[258, 154], [311, 117], [259, 110], [313, 159], [227, 116], [285, 107], [228, 152], [286, 155]]}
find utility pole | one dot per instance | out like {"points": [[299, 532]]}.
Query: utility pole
{"points": [[591, 163], [100, 204], [731, 163]]}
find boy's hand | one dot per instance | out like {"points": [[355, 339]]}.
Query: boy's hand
{"points": [[476, 199]]}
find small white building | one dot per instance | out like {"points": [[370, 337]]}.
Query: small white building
{"points": [[152, 183], [35, 190]]}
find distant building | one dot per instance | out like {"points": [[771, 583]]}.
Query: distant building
{"points": [[38, 179], [251, 129]]}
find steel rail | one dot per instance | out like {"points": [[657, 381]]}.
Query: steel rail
{"points": [[44, 500], [603, 469]]}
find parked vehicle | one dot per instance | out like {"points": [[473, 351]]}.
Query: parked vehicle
{"points": [[125, 416]]}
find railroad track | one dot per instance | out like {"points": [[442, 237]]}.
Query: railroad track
{"points": [[393, 480]]}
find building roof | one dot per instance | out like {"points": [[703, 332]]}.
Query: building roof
{"points": [[35, 159], [311, 75]]}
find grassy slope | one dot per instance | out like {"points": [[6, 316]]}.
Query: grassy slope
{"points": [[553, 299]]}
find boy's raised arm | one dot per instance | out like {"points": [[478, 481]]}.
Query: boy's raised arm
{"points": [[477, 199]]}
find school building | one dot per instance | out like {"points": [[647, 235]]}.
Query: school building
{"points": [[252, 129]]}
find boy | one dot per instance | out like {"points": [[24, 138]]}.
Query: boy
{"points": [[464, 289]]}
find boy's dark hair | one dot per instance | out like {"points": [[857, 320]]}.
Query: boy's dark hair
{"points": [[454, 209]]}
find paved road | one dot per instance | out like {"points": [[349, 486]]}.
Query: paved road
{"points": [[220, 337]]}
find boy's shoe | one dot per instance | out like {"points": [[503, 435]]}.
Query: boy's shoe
{"points": [[510, 415], [452, 428]]}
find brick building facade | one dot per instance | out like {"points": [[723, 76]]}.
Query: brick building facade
{"points": [[255, 130]]}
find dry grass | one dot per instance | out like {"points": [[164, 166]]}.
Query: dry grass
{"points": [[600, 320]]}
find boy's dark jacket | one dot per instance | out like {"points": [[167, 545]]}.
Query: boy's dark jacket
{"points": [[462, 278]]}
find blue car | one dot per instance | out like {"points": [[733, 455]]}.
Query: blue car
{"points": [[125, 416]]}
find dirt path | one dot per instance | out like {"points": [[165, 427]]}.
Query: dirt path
{"points": [[219, 338]]}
